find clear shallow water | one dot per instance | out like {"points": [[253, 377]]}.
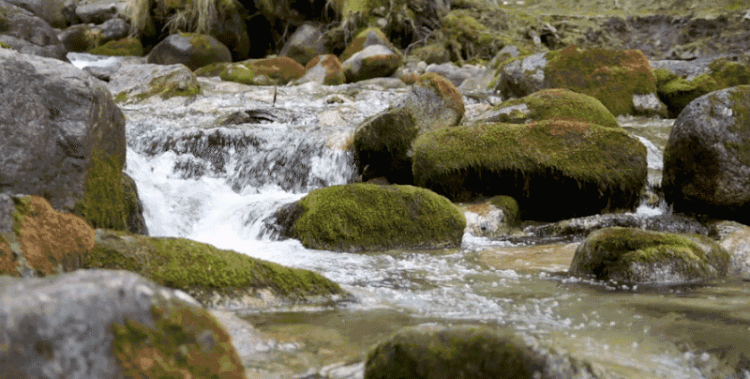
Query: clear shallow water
{"points": [[222, 196]]}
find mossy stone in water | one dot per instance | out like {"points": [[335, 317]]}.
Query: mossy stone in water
{"points": [[124, 47], [555, 169], [362, 216], [638, 256]]}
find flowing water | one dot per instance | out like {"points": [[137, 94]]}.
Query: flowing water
{"points": [[219, 184]]}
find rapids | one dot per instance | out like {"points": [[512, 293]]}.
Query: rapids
{"points": [[219, 184]]}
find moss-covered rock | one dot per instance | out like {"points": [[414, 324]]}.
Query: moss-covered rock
{"points": [[374, 61], [553, 104], [191, 49], [491, 218], [211, 275], [639, 256], [136, 83], [358, 217], [510, 209], [363, 39], [468, 39], [123, 47], [280, 70], [554, 169], [43, 241], [324, 69]]}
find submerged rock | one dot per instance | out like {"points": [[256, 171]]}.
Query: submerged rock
{"points": [[469, 352], [108, 324], [706, 159], [554, 169], [637, 256], [358, 217], [215, 277]]}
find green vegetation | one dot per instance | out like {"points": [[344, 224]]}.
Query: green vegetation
{"points": [[201, 269], [5, 45], [197, 16], [124, 47], [103, 205], [280, 69], [636, 255], [183, 342], [559, 104], [362, 216], [612, 76], [468, 39]]}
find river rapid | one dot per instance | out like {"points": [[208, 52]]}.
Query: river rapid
{"points": [[219, 184]]}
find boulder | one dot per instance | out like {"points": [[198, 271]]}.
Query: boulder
{"points": [[29, 34], [552, 104], [383, 142], [113, 29], [455, 74], [37, 240], [137, 82], [266, 71], [364, 39], [128, 46], [191, 49], [85, 37], [617, 78], [373, 61], [735, 238], [306, 43], [706, 159], [108, 324], [51, 11], [359, 217], [63, 138], [470, 352], [555, 169], [323, 69], [633, 255], [133, 206], [215, 277]]}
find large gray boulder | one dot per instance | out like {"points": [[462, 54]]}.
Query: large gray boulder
{"points": [[707, 157], [63, 137], [107, 324], [306, 43], [27, 33]]}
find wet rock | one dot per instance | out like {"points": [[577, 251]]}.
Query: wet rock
{"points": [[266, 71], [191, 49], [136, 82], [51, 11], [122, 47], [97, 13], [382, 143], [216, 278], [552, 104], [306, 43], [648, 105], [637, 256], [36, 240], [706, 164], [592, 169], [64, 138], [371, 62], [133, 207], [28, 34], [735, 238], [492, 218], [468, 351], [108, 324], [611, 76], [359, 217], [113, 29], [78, 38], [455, 74], [323, 69]]}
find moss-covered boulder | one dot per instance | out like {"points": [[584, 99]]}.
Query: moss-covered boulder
{"points": [[123, 47], [109, 324], [554, 169], [366, 38], [707, 156], [358, 217], [323, 69], [468, 352], [38, 240], [191, 49], [382, 143], [617, 78], [215, 277], [638, 256], [552, 104], [374, 61], [138, 82], [266, 71]]}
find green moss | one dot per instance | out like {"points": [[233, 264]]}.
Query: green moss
{"points": [[183, 342], [612, 76], [103, 205], [199, 268], [468, 38], [561, 104], [510, 208], [238, 73], [5, 45], [740, 97], [124, 47], [663, 76], [729, 74], [679, 92], [170, 85], [610, 253], [281, 69], [370, 217], [432, 53], [213, 69]]}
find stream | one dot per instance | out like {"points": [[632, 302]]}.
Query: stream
{"points": [[219, 184]]}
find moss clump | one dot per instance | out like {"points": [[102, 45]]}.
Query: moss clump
{"points": [[103, 205], [444, 88], [612, 76], [183, 342], [171, 85], [238, 73], [362, 216], [554, 169], [5, 45], [729, 74], [201, 269], [510, 209], [559, 104], [432, 53], [638, 256], [213, 69], [468, 39], [124, 47], [678, 92], [455, 352]]}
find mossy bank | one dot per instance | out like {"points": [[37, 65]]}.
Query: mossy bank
{"points": [[358, 217], [211, 275]]}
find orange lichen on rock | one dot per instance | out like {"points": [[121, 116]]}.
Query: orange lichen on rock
{"points": [[50, 239], [7, 263]]}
